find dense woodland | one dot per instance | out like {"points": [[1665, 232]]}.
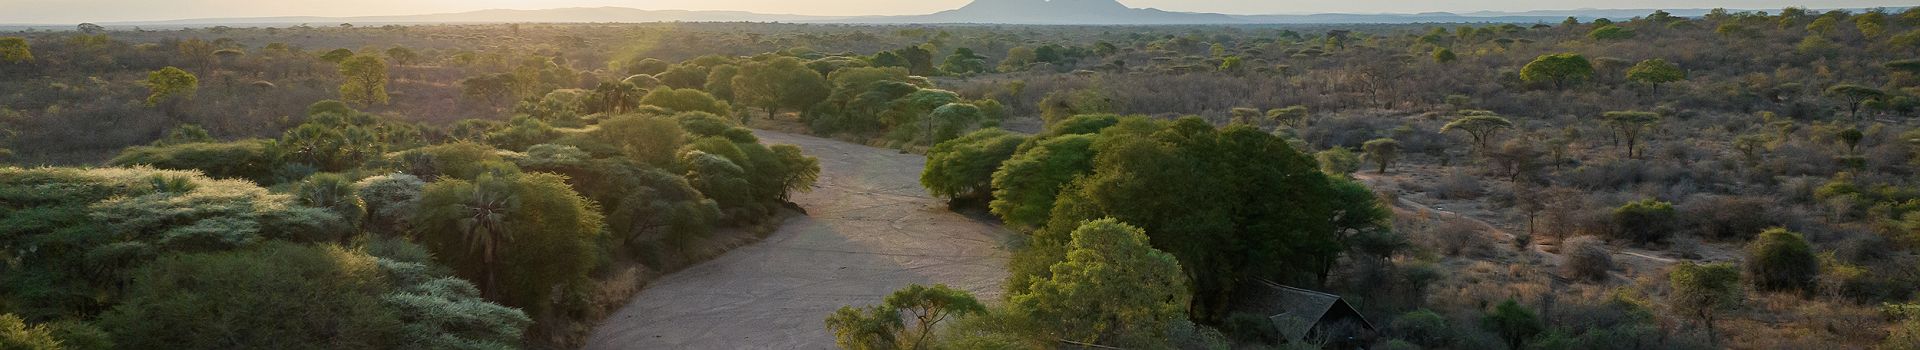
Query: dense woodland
{"points": [[1739, 180]]}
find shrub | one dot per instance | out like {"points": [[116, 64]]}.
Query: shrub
{"points": [[277, 296], [1338, 161], [1423, 327], [963, 168], [15, 334], [1514, 323], [1025, 186], [1587, 258], [334, 193], [389, 200], [1781, 260], [254, 160], [1644, 221]]}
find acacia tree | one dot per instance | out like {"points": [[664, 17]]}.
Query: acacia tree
{"points": [[1630, 124], [1702, 291], [928, 306], [1482, 126], [401, 55], [1559, 69], [366, 80], [1291, 116], [15, 50], [1654, 72], [1382, 151], [168, 86], [779, 83], [1854, 96]]}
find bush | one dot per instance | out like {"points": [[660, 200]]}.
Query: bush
{"points": [[277, 296], [15, 334], [1025, 186], [962, 169], [1644, 221], [1587, 258], [1514, 323], [1781, 260], [334, 193], [254, 160], [1423, 327], [389, 200]]}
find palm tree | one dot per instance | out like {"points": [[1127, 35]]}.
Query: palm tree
{"points": [[485, 229]]}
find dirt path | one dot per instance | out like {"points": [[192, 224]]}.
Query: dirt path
{"points": [[870, 229]]}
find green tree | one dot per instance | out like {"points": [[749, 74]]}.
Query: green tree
{"points": [[1853, 96], [1482, 127], [1703, 291], [15, 334], [1233, 65], [401, 55], [1111, 289], [15, 50], [1514, 323], [1444, 55], [337, 55], [1025, 186], [170, 84], [929, 306], [1781, 260], [1338, 161], [334, 193], [1654, 72], [1559, 69], [521, 235], [779, 83], [964, 61], [366, 80], [1220, 172], [1629, 125], [720, 81], [1293, 116], [1823, 25], [1382, 151], [963, 168], [686, 100], [872, 328], [1610, 32], [275, 296], [1645, 221]]}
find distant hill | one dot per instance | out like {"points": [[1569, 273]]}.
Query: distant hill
{"points": [[1061, 12], [559, 15], [1055, 12]]}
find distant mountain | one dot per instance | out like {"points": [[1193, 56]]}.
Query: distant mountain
{"points": [[1064, 12], [1092, 12], [559, 15]]}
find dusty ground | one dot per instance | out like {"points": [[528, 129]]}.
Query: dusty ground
{"points": [[870, 229]]}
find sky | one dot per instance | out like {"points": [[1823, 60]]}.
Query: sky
{"points": [[76, 11]]}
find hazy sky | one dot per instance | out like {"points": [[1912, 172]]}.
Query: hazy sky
{"points": [[74, 11]]}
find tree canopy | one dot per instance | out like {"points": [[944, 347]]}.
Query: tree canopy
{"points": [[1559, 70]]}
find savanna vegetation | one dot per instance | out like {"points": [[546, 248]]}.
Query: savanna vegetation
{"points": [[1742, 179]]}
